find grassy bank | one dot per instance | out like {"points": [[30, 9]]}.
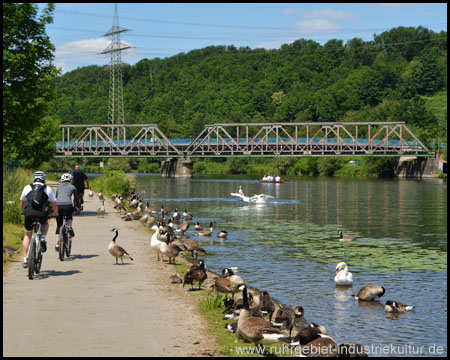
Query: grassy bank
{"points": [[13, 184]]}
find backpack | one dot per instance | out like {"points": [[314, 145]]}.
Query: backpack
{"points": [[38, 197]]}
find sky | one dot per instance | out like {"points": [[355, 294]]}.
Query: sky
{"points": [[167, 29]]}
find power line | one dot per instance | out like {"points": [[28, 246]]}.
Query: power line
{"points": [[170, 22]]}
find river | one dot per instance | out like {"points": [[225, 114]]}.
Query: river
{"points": [[289, 247]]}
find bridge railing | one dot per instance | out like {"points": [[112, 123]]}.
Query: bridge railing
{"points": [[258, 139], [266, 139]]}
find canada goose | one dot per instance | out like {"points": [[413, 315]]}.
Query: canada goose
{"points": [[233, 308], [134, 203], [396, 307], [187, 216], [306, 334], [91, 194], [222, 234], [116, 250], [206, 232], [343, 277], [183, 227], [266, 304], [370, 292], [126, 217], [166, 228], [9, 250], [285, 317], [322, 346], [176, 279], [351, 350], [101, 209], [193, 247], [149, 209], [144, 219], [164, 212], [155, 243], [198, 227], [137, 212], [197, 273], [341, 238], [119, 204], [235, 280], [176, 215], [222, 285], [255, 329], [315, 342], [100, 195], [170, 250]]}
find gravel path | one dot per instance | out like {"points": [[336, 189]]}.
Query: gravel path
{"points": [[87, 306]]}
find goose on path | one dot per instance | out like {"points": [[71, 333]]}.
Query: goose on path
{"points": [[195, 273], [116, 250], [101, 209]]}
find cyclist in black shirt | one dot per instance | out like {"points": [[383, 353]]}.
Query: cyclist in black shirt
{"points": [[79, 179]]}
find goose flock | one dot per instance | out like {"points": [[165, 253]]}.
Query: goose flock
{"points": [[257, 318]]}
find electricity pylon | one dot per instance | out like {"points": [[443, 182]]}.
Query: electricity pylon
{"points": [[115, 108]]}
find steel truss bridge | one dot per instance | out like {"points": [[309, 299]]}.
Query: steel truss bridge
{"points": [[251, 139]]}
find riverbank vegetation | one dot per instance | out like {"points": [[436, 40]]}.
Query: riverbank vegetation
{"points": [[113, 182], [13, 184]]}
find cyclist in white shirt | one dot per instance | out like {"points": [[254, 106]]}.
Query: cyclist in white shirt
{"points": [[41, 212]]}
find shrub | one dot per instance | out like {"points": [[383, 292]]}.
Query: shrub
{"points": [[13, 184], [114, 181]]}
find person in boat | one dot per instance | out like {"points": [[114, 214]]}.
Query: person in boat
{"points": [[277, 179], [270, 178], [264, 178]]}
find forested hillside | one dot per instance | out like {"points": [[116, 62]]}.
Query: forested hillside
{"points": [[387, 79]]}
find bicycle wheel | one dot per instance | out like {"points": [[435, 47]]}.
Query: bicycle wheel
{"points": [[31, 255], [38, 262], [68, 246], [62, 242]]}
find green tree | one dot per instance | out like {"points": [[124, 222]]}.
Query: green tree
{"points": [[28, 83]]}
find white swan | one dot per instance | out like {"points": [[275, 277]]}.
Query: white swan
{"points": [[256, 199], [343, 277], [155, 243]]}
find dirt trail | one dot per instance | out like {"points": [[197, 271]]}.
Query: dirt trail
{"points": [[86, 306]]}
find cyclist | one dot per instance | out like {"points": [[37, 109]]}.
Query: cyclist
{"points": [[66, 204], [79, 178], [39, 211]]}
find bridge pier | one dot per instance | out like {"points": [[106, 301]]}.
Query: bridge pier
{"points": [[177, 168]]}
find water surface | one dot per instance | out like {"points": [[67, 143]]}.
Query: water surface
{"points": [[290, 248]]}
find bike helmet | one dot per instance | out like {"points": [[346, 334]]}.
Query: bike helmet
{"points": [[66, 177], [39, 176]]}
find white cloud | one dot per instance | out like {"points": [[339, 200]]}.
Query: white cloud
{"points": [[87, 52], [315, 26], [330, 13], [86, 49]]}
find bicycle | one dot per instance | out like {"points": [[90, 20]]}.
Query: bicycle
{"points": [[65, 240], [34, 251]]}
